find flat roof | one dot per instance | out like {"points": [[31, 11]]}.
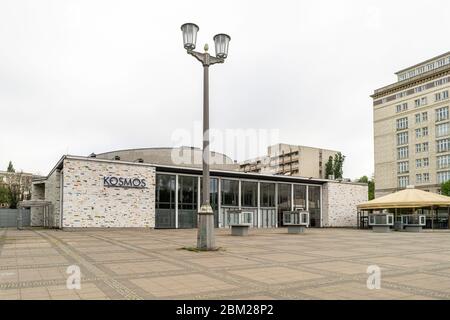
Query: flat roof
{"points": [[423, 62], [198, 171]]}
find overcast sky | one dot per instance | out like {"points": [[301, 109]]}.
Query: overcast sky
{"points": [[92, 76]]}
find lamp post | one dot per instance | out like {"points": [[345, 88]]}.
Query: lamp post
{"points": [[205, 234]]}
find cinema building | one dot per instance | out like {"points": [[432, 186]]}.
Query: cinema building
{"points": [[144, 188]]}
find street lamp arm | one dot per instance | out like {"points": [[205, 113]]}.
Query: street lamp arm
{"points": [[205, 58]]}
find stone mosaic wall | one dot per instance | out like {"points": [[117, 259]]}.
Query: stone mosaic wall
{"points": [[88, 203], [340, 201], [37, 193], [53, 194]]}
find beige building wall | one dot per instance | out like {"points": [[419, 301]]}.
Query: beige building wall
{"points": [[291, 160], [422, 87]]}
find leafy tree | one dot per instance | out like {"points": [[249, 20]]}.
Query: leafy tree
{"points": [[338, 165], [17, 185], [329, 167], [10, 167], [445, 188], [371, 185], [4, 195]]}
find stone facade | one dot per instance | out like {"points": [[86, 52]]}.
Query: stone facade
{"points": [[37, 214], [88, 203], [411, 128], [53, 194], [339, 203]]}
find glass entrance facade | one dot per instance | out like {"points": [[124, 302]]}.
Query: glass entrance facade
{"points": [[178, 197]]}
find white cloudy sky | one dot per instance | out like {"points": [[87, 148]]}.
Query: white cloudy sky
{"points": [[92, 76]]}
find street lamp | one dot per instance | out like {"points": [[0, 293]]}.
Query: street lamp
{"points": [[205, 235]]}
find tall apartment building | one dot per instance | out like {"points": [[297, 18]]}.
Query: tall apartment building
{"points": [[411, 128], [290, 160]]}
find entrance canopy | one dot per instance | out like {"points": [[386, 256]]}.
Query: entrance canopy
{"points": [[408, 198]]}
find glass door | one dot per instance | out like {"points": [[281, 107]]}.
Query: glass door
{"points": [[165, 201], [267, 205], [284, 201], [314, 205], [187, 201]]}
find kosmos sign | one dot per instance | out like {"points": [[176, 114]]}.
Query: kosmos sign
{"points": [[121, 182]]}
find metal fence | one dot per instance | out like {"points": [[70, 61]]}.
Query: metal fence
{"points": [[8, 218]]}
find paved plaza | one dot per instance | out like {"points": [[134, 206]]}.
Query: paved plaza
{"points": [[268, 264]]}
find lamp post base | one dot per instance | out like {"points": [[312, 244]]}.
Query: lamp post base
{"points": [[205, 235]]}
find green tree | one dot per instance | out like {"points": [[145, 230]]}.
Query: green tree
{"points": [[371, 185], [10, 167], [4, 195], [329, 167], [445, 188], [338, 165]]}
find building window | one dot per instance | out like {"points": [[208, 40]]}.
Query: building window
{"points": [[249, 194], [426, 162], [419, 178], [187, 201], [424, 116], [402, 123], [300, 196], [418, 133], [440, 82], [267, 195], [418, 147], [165, 191], [284, 196], [442, 114], [425, 131], [420, 102], [417, 117], [420, 89], [403, 167], [442, 145], [403, 181], [426, 177], [418, 163], [402, 138], [442, 129], [314, 205], [165, 201], [441, 95], [443, 162], [230, 192], [425, 147], [187, 192], [401, 107], [443, 176], [402, 153]]}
